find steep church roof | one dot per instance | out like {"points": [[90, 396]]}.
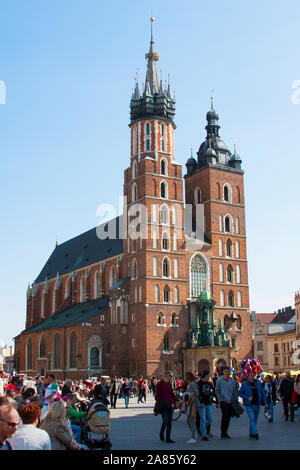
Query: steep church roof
{"points": [[83, 250]]}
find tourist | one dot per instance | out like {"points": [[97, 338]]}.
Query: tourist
{"points": [[12, 385], [269, 391], [56, 425], [166, 397], [126, 390], [192, 405], [226, 391], [67, 388], [286, 390], [9, 422], [206, 391], [297, 390], [139, 388], [114, 390], [101, 391], [28, 436], [253, 396]]}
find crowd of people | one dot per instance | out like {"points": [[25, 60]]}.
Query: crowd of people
{"points": [[198, 392], [47, 413]]}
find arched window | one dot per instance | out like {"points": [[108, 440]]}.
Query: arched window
{"points": [[134, 269], [237, 249], [160, 319], [166, 343], [228, 224], [166, 241], [221, 273], [229, 274], [56, 351], [174, 319], [134, 170], [199, 275], [222, 298], [29, 355], [167, 296], [148, 145], [227, 193], [163, 190], [156, 293], [72, 350], [155, 266], [162, 145], [231, 299], [229, 248], [82, 289], [134, 192], [42, 348], [166, 268], [147, 128], [239, 322], [94, 358], [176, 295], [164, 215], [96, 285]]}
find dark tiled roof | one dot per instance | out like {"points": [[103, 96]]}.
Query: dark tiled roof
{"points": [[83, 250], [74, 315], [284, 315]]}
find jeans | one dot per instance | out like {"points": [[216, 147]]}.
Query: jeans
{"points": [[167, 421], [253, 413], [76, 430], [205, 418], [271, 407], [126, 400]]}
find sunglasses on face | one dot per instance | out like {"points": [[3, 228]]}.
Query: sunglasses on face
{"points": [[9, 423]]}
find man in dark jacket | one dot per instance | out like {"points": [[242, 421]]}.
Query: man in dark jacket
{"points": [[67, 388], [101, 391], [286, 391]]}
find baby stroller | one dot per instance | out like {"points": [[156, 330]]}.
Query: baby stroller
{"points": [[96, 430]]}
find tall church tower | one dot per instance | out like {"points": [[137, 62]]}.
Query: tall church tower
{"points": [[216, 180], [154, 262]]}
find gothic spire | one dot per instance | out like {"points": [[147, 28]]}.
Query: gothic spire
{"points": [[152, 57]]}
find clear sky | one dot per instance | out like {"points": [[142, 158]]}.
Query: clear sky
{"points": [[69, 68]]}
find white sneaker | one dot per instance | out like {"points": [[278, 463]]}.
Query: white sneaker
{"points": [[191, 441]]}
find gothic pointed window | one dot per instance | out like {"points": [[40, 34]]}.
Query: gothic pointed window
{"points": [[231, 299], [72, 351], [134, 192], [167, 297], [156, 293], [166, 241], [199, 275], [162, 129], [94, 358], [42, 348], [163, 190], [56, 352], [166, 343], [163, 167], [229, 248], [166, 268], [147, 128], [148, 145], [29, 355], [176, 295], [228, 224], [165, 215], [162, 145], [230, 274]]}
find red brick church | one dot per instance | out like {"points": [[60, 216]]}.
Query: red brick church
{"points": [[158, 298]]}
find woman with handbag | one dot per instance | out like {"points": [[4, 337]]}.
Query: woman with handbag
{"points": [[296, 393]]}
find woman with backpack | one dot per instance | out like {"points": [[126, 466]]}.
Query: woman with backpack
{"points": [[192, 405]]}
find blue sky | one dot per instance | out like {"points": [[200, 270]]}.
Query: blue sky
{"points": [[69, 69]]}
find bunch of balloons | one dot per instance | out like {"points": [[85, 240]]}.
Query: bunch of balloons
{"points": [[248, 365]]}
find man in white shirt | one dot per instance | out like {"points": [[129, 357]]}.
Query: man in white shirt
{"points": [[28, 436]]}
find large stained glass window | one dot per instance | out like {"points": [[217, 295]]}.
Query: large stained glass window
{"points": [[198, 275]]}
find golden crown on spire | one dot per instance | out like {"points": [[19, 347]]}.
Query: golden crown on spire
{"points": [[151, 19]]}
